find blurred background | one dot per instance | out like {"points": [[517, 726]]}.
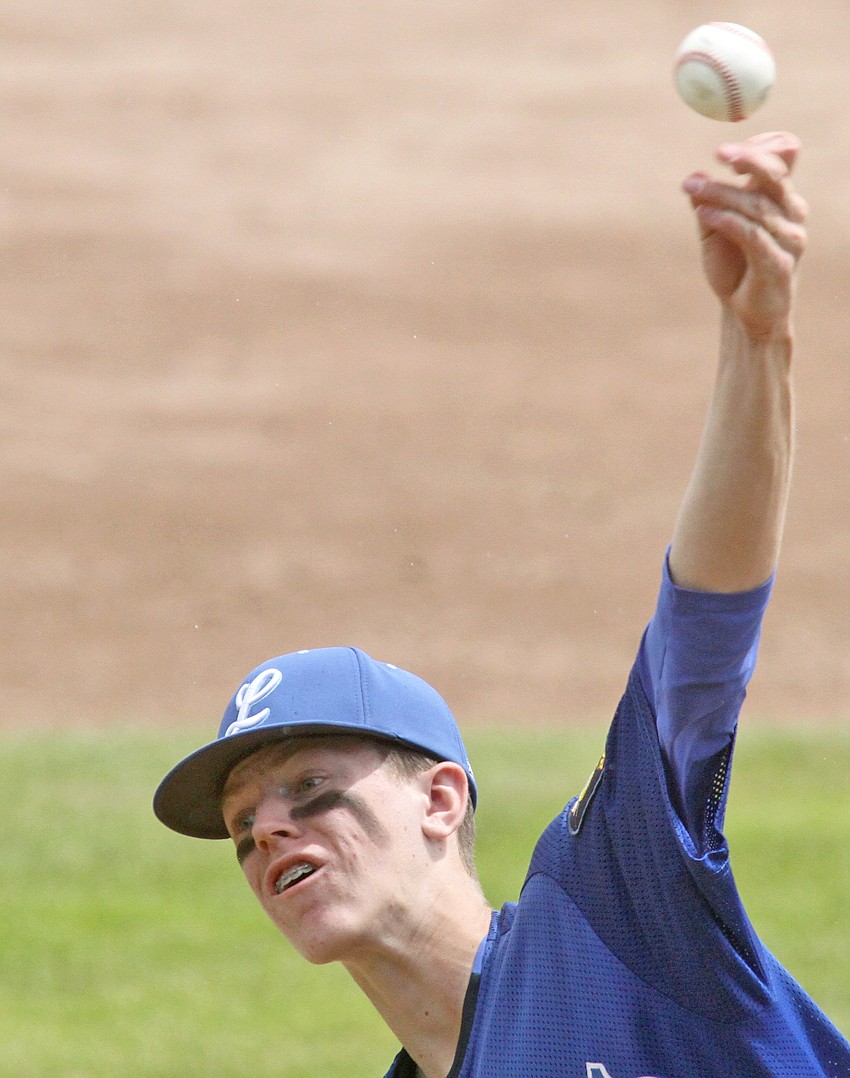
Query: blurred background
{"points": [[382, 324]]}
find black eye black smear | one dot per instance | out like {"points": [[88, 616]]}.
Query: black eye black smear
{"points": [[325, 802], [244, 847], [355, 804]]}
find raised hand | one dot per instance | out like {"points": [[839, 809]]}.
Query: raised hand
{"points": [[753, 234]]}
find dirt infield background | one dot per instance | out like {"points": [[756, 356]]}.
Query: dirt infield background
{"points": [[382, 323]]}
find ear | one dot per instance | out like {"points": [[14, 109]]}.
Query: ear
{"points": [[447, 788]]}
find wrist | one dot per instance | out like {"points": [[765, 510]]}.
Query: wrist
{"points": [[774, 334]]}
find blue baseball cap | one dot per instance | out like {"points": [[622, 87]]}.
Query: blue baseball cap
{"points": [[305, 693]]}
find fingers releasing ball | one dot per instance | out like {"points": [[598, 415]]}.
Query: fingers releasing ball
{"points": [[724, 71]]}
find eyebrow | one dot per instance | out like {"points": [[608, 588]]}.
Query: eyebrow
{"points": [[234, 786], [235, 783], [233, 790]]}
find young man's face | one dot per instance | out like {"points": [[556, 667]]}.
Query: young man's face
{"points": [[330, 841]]}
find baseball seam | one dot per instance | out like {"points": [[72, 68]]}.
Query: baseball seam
{"points": [[742, 31], [734, 98]]}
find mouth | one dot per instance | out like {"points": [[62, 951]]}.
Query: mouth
{"points": [[292, 876]]}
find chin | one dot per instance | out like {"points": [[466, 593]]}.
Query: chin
{"points": [[321, 942]]}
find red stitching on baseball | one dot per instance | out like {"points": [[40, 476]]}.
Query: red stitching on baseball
{"points": [[734, 99], [742, 31]]}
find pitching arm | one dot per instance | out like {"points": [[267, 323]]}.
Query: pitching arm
{"points": [[729, 529]]}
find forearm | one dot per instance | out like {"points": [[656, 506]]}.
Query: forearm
{"points": [[729, 529], [752, 236]]}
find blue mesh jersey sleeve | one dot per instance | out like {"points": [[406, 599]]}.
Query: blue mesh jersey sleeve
{"points": [[670, 912], [652, 844], [695, 661]]}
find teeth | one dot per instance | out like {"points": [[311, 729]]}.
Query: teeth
{"points": [[292, 875]]}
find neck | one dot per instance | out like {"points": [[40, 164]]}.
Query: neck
{"points": [[418, 985]]}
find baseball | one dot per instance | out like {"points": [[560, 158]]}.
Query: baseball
{"points": [[724, 71]]}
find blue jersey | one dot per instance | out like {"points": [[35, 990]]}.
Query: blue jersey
{"points": [[629, 954]]}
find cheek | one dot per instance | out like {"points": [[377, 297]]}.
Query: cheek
{"points": [[252, 874], [353, 849]]}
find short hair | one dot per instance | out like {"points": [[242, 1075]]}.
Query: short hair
{"points": [[409, 762]]}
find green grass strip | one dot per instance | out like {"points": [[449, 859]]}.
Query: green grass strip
{"points": [[129, 950]]}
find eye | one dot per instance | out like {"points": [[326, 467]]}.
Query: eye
{"points": [[241, 829], [309, 783], [240, 824]]}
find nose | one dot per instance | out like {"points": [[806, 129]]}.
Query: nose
{"points": [[273, 823]]}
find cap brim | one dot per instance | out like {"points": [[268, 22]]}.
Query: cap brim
{"points": [[188, 800]]}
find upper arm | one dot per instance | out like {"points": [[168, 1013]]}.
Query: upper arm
{"points": [[696, 658]]}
